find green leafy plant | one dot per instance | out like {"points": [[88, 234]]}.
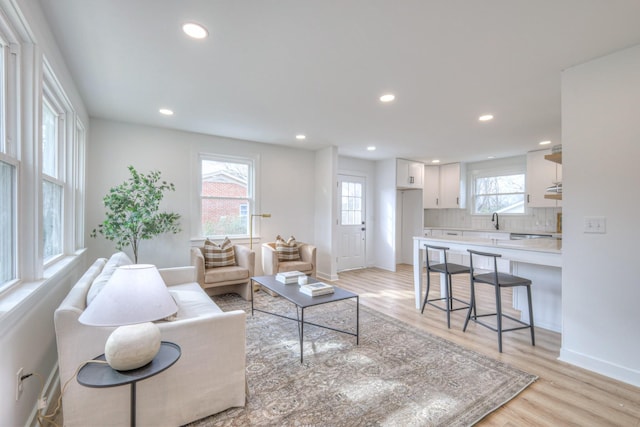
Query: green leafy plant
{"points": [[133, 211]]}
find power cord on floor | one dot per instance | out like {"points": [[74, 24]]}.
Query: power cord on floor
{"points": [[50, 418]]}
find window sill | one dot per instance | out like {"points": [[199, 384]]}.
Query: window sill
{"points": [[15, 297]]}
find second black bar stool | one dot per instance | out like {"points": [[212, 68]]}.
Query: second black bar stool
{"points": [[446, 268], [499, 281]]}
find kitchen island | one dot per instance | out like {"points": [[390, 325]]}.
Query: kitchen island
{"points": [[539, 260]]}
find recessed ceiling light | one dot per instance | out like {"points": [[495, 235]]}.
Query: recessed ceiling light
{"points": [[485, 118], [301, 137], [388, 97], [196, 31], [435, 161], [371, 148], [491, 157], [165, 111], [545, 142]]}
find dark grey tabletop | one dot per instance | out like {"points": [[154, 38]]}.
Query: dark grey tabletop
{"points": [[101, 375], [292, 293]]}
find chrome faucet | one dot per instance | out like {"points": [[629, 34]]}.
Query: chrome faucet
{"points": [[494, 217]]}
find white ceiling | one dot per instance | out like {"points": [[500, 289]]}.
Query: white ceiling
{"points": [[271, 69]]}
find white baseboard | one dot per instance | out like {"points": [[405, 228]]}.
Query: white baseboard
{"points": [[323, 276], [51, 391], [603, 367]]}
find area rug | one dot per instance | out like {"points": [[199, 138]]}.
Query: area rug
{"points": [[396, 376]]}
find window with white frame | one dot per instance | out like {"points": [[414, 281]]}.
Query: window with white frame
{"points": [[60, 167], [9, 159], [226, 195], [498, 191]]}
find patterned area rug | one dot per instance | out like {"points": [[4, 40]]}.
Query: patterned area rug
{"points": [[397, 376]]}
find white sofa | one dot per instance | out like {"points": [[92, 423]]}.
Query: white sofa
{"points": [[208, 378]]}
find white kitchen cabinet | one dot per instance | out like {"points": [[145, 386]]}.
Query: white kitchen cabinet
{"points": [[431, 187], [409, 174], [452, 186], [541, 174]]}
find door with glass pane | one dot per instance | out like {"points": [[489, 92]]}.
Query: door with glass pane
{"points": [[351, 222]]}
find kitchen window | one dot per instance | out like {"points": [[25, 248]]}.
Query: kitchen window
{"points": [[497, 185]]}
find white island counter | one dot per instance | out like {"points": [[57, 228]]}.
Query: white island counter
{"points": [[539, 260]]}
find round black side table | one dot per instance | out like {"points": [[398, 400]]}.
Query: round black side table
{"points": [[101, 375]]}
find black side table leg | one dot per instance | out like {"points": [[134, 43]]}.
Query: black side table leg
{"points": [[133, 404]]}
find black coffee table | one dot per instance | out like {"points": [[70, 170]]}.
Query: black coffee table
{"points": [[292, 294]]}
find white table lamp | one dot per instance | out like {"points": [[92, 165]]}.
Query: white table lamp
{"points": [[134, 296]]}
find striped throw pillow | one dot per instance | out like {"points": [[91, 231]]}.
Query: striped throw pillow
{"points": [[218, 255], [287, 251]]}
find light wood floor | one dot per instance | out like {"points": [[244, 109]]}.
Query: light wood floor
{"points": [[563, 395]]}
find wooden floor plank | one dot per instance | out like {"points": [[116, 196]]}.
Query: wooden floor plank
{"points": [[563, 395]]}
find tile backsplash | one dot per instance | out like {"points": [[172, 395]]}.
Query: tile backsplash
{"points": [[537, 220]]}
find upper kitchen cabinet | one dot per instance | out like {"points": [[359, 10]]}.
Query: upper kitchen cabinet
{"points": [[409, 174], [452, 186], [431, 188], [541, 174], [444, 187]]}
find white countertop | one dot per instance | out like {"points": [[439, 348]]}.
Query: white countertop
{"points": [[538, 245], [493, 230]]}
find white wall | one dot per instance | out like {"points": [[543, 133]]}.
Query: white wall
{"points": [[367, 170], [326, 213], [601, 148], [286, 178], [385, 230]]}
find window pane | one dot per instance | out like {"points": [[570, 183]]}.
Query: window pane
{"points": [[222, 217], [226, 205], [7, 223], [503, 194], [351, 206], [52, 219], [49, 141]]}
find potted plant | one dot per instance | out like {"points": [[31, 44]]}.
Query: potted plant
{"points": [[133, 211]]}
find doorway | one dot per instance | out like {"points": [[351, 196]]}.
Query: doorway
{"points": [[351, 222]]}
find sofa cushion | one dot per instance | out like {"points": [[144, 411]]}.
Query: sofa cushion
{"points": [[225, 274], [287, 251], [218, 255], [118, 259]]}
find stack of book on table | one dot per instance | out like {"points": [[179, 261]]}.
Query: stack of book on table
{"points": [[315, 289], [289, 277]]}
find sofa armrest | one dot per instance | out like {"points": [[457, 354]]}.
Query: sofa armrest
{"points": [[245, 257], [197, 260], [269, 260], [178, 275]]}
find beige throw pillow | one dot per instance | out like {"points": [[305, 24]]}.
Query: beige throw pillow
{"points": [[219, 255], [287, 250]]}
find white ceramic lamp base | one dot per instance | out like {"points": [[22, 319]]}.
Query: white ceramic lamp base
{"points": [[132, 346]]}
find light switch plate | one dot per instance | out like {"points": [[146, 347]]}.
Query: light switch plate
{"points": [[595, 224]]}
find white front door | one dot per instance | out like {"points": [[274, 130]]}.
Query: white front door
{"points": [[351, 222]]}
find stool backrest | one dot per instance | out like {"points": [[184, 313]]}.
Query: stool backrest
{"points": [[436, 248], [485, 254]]}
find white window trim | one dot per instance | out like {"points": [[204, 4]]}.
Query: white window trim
{"points": [[196, 208], [506, 170]]}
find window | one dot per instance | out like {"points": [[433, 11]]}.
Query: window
{"points": [[226, 195], [351, 205], [7, 222], [52, 185], [499, 193], [9, 159]]}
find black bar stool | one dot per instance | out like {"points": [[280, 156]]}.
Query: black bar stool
{"points": [[446, 268], [499, 281]]}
